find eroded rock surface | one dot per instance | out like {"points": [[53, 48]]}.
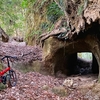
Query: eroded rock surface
{"points": [[61, 55]]}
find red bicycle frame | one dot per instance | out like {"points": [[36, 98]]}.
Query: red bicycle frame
{"points": [[10, 78], [4, 71], [7, 69]]}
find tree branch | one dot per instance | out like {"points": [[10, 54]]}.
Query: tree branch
{"points": [[52, 33]]}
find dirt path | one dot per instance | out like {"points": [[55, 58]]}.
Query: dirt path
{"points": [[23, 52], [34, 86]]}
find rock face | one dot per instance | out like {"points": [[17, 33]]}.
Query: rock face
{"points": [[62, 55]]}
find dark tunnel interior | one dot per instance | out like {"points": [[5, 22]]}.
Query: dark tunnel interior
{"points": [[65, 58], [79, 66]]}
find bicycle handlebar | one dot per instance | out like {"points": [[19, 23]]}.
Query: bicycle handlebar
{"points": [[15, 58]]}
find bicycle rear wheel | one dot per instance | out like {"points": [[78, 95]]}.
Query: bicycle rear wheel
{"points": [[11, 78]]}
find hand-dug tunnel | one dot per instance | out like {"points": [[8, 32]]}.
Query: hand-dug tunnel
{"points": [[61, 56]]}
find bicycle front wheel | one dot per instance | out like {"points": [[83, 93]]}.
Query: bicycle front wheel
{"points": [[11, 78]]}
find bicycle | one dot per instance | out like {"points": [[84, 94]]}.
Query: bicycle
{"points": [[9, 78]]}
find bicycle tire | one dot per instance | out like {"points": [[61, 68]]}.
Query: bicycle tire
{"points": [[11, 78]]}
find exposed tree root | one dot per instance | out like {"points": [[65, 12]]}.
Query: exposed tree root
{"points": [[77, 16]]}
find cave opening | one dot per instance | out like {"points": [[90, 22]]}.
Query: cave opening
{"points": [[61, 56], [82, 63]]}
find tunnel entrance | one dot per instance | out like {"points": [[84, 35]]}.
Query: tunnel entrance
{"points": [[82, 63], [61, 56]]}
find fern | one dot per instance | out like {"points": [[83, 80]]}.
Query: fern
{"points": [[53, 12]]}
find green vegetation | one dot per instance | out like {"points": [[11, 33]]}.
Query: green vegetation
{"points": [[12, 16], [2, 86], [27, 18], [53, 12], [85, 55], [41, 16], [80, 9]]}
